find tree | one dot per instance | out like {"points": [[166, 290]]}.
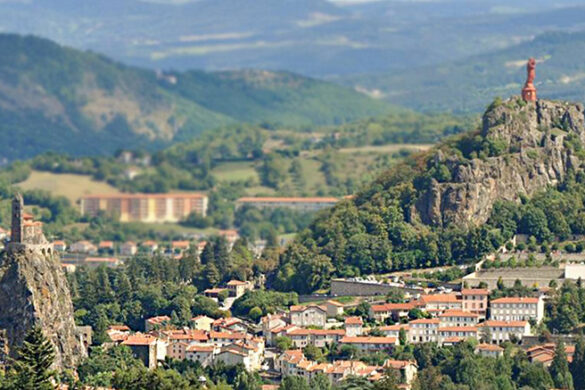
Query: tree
{"points": [[294, 383], [559, 369], [320, 382], [355, 383], [402, 336], [388, 382], [283, 343], [32, 368], [312, 352], [577, 367]]}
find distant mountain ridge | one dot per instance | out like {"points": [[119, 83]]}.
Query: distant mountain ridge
{"points": [[81, 103], [463, 86]]}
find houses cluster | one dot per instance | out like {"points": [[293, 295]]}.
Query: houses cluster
{"points": [[226, 339], [455, 317], [294, 362]]}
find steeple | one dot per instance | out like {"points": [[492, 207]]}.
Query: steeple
{"points": [[17, 233]]}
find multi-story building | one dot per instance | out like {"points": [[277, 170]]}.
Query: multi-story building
{"points": [[455, 317], [517, 309], [310, 315], [501, 331], [438, 303], [395, 311], [424, 330], [394, 330], [302, 337], [454, 334], [298, 204], [475, 300], [146, 207], [368, 344]]}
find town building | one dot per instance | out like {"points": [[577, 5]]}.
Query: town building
{"points": [[394, 311], [501, 331], [369, 344], [489, 350], [517, 309], [299, 204], [424, 330], [156, 208], [455, 317], [84, 247], [310, 315], [202, 323], [438, 303], [156, 323], [147, 348], [237, 288], [128, 248], [354, 326], [455, 334], [475, 300], [334, 308]]}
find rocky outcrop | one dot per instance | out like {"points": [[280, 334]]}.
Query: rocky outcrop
{"points": [[535, 145], [34, 291]]}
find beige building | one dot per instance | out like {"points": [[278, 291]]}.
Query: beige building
{"points": [[310, 315], [369, 344], [424, 330], [517, 309], [237, 288], [354, 326], [501, 331], [455, 317], [146, 207]]}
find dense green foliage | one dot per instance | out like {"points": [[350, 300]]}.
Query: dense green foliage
{"points": [[380, 230], [32, 369], [266, 301]]}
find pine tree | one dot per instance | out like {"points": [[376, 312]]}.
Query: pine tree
{"points": [[559, 369], [32, 368], [577, 367]]}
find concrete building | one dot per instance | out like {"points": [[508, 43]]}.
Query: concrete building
{"points": [[489, 350], [146, 207], [438, 303], [454, 334], [147, 348], [202, 323], [297, 204], [517, 309], [201, 353], [530, 277]]}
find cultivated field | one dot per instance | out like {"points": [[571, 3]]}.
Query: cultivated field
{"points": [[71, 186]]}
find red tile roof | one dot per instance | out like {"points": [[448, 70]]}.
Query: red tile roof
{"points": [[354, 321], [475, 291], [515, 300], [513, 324]]}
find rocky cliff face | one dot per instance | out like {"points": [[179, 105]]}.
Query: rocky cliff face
{"points": [[534, 145], [34, 291]]}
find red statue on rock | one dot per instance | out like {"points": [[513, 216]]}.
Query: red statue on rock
{"points": [[529, 91]]}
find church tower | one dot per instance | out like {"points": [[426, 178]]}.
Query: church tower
{"points": [[17, 219]]}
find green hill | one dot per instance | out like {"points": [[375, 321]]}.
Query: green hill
{"points": [[465, 85], [521, 172], [81, 103]]}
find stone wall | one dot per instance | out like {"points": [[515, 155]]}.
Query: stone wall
{"points": [[532, 276], [343, 287]]}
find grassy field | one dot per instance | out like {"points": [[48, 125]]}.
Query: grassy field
{"points": [[235, 171], [71, 186]]}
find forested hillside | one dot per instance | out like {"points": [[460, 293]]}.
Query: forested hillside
{"points": [[64, 100], [519, 173]]}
